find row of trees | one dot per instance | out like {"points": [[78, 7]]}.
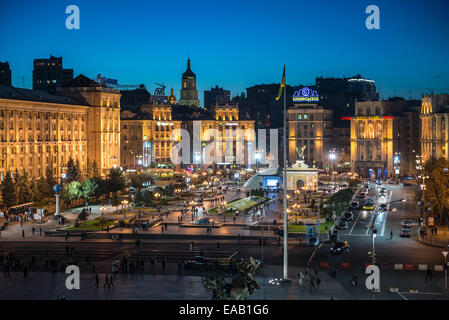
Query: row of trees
{"points": [[437, 189], [18, 188]]}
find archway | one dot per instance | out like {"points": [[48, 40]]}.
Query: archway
{"points": [[300, 184]]}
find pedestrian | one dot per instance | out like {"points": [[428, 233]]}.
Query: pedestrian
{"points": [[23, 233], [429, 274], [218, 245], [162, 229], [318, 281], [40, 231], [111, 283], [179, 267], [391, 234], [354, 280], [33, 230], [93, 269], [106, 282], [436, 230], [164, 260], [97, 280], [66, 236], [152, 264]]}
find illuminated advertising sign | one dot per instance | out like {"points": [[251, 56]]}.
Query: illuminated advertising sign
{"points": [[306, 95]]}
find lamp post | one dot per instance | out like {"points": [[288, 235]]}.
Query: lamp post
{"points": [[333, 156], [445, 268]]}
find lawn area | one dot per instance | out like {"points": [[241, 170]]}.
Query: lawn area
{"points": [[300, 228], [239, 204], [92, 225]]}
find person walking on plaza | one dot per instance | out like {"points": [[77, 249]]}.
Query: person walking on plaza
{"points": [[429, 274], [106, 282], [318, 281], [111, 283], [391, 234], [97, 280], [23, 233], [33, 230], [164, 260], [152, 264]]}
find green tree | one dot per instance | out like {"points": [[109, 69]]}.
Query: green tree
{"points": [[89, 188], [9, 194], [95, 171], [148, 197], [72, 191], [137, 179], [437, 190], [115, 181], [35, 192], [138, 197], [23, 187], [47, 184], [73, 172]]}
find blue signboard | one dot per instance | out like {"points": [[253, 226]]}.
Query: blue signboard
{"points": [[306, 95]]}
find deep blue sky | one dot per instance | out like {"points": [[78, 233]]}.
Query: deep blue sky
{"points": [[234, 44]]}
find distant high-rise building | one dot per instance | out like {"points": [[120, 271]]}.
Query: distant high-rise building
{"points": [[5, 74], [48, 74], [216, 96], [189, 94]]}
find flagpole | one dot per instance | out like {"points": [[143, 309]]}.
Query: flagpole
{"points": [[285, 185]]}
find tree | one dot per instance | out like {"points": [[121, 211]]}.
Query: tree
{"points": [[23, 187], [88, 188], [73, 172], [35, 192], [95, 171], [138, 197], [115, 181], [46, 185], [9, 191], [137, 179], [148, 197], [72, 191], [437, 191]]}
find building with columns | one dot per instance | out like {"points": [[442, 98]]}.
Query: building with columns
{"points": [[435, 126], [40, 130]]}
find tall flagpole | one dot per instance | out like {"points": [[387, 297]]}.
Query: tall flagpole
{"points": [[285, 185]]}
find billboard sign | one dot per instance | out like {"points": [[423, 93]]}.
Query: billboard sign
{"points": [[306, 95]]}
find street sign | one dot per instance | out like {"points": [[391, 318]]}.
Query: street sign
{"points": [[445, 253]]}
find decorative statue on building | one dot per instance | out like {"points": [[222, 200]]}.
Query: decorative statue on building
{"points": [[161, 90], [242, 285], [300, 152]]}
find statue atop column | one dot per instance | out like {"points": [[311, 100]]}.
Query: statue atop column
{"points": [[300, 152]]}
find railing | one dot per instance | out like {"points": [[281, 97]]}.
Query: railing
{"points": [[433, 241]]}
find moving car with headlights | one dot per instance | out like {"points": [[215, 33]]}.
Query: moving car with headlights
{"points": [[405, 233], [339, 247], [406, 224], [369, 204]]}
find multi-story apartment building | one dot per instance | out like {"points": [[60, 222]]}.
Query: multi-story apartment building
{"points": [[40, 130], [48, 74], [435, 126]]}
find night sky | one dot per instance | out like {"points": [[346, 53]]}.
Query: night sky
{"points": [[234, 44]]}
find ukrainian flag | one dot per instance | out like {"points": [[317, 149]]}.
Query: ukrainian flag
{"points": [[282, 85]]}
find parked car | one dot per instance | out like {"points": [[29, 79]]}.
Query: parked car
{"points": [[342, 225], [348, 216], [405, 233], [354, 205], [340, 247]]}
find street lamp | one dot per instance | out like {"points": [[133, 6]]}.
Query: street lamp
{"points": [[445, 268], [333, 156]]}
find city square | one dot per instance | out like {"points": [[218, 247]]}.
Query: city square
{"points": [[312, 187]]}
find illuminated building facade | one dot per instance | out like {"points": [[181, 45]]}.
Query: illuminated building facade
{"points": [[146, 136], [40, 130], [189, 93], [384, 139], [311, 126], [435, 126]]}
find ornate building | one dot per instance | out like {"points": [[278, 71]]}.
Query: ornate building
{"points": [[40, 130], [146, 136], [189, 93], [311, 126], [435, 126]]}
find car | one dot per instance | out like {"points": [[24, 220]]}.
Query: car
{"points": [[348, 216], [368, 205], [406, 224], [313, 241], [354, 205], [342, 225], [405, 233], [339, 247]]}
